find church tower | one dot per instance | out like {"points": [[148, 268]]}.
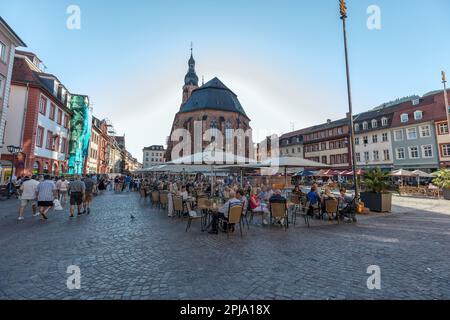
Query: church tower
{"points": [[190, 80]]}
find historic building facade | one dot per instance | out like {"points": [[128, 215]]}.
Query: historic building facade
{"points": [[442, 130], [291, 144], [328, 143], [443, 141], [373, 141], [8, 43], [413, 134], [210, 106], [93, 160], [153, 155], [41, 117]]}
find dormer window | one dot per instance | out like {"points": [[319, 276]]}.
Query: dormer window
{"points": [[384, 122], [418, 115], [356, 126], [404, 118], [365, 125], [374, 123], [416, 102]]}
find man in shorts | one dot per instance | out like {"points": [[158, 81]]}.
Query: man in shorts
{"points": [[46, 193], [28, 191], [89, 185], [76, 190]]}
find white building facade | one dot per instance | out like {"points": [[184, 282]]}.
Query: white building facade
{"points": [[153, 155]]}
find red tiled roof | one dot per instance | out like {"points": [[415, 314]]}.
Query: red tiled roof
{"points": [[432, 107], [23, 73]]}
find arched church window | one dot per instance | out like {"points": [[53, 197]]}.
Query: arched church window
{"points": [[228, 130]]}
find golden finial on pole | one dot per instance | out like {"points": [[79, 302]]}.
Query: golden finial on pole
{"points": [[443, 77], [343, 9]]}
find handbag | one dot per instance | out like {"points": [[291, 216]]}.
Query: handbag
{"points": [[57, 205]]}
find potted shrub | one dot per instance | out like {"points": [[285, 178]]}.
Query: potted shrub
{"points": [[442, 181], [376, 197]]}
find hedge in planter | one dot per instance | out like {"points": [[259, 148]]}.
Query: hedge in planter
{"points": [[442, 181], [376, 197]]}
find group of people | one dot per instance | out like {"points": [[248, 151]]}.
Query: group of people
{"points": [[256, 199], [40, 192], [253, 199], [126, 183], [316, 199]]}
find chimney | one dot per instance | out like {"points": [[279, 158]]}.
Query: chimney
{"points": [[328, 121]]}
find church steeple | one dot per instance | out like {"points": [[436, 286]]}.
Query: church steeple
{"points": [[191, 79]]}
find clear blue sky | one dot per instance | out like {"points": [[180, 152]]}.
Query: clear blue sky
{"points": [[284, 59]]}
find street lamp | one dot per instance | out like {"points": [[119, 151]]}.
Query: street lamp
{"points": [[14, 150], [343, 11]]}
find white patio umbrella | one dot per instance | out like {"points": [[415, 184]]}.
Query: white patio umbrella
{"points": [[290, 162], [401, 173], [421, 174], [241, 168], [211, 158]]}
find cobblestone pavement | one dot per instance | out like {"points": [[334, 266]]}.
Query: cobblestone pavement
{"points": [[152, 257]]}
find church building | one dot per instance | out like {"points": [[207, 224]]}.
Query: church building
{"points": [[215, 106]]}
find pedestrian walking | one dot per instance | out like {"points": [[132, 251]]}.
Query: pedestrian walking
{"points": [[127, 183], [101, 186], [28, 191], [89, 189], [76, 190], [62, 186], [95, 180], [117, 184], [46, 193]]}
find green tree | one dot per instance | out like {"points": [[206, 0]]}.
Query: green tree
{"points": [[442, 179]]}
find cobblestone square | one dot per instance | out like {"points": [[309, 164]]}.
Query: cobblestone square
{"points": [[152, 257]]}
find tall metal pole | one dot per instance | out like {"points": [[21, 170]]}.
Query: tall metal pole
{"points": [[444, 81], [343, 10]]}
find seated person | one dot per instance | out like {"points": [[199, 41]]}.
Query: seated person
{"points": [[257, 206], [314, 199], [278, 198], [343, 199], [261, 193], [184, 194], [327, 195], [240, 195], [297, 192], [268, 195], [223, 212]]}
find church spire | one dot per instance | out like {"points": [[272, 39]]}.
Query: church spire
{"points": [[191, 78]]}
